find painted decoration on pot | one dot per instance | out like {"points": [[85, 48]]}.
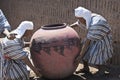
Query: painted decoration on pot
{"points": [[53, 50]]}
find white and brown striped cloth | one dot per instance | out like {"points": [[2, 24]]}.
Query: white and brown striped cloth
{"points": [[100, 48], [14, 68], [3, 24]]}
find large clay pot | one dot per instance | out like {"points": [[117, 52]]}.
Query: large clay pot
{"points": [[54, 49]]}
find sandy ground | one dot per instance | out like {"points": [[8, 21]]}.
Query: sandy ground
{"points": [[114, 74]]}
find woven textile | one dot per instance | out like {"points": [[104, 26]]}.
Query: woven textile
{"points": [[14, 68], [100, 48]]}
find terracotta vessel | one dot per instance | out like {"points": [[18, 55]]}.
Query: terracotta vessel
{"points": [[54, 49]]}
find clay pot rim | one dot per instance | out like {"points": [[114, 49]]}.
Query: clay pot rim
{"points": [[54, 26]]}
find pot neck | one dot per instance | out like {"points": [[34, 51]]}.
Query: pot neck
{"points": [[54, 26]]}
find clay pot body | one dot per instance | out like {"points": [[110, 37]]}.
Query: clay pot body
{"points": [[54, 49]]}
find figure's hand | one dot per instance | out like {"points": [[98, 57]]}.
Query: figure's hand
{"points": [[77, 60], [11, 36]]}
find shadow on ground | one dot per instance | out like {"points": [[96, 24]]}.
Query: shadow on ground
{"points": [[86, 77], [114, 74], [73, 77]]}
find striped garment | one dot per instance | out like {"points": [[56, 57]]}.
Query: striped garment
{"points": [[14, 68], [3, 22], [100, 48]]}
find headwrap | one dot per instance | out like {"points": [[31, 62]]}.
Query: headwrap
{"points": [[24, 25], [85, 13]]}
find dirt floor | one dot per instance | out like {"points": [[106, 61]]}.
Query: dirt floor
{"points": [[113, 74]]}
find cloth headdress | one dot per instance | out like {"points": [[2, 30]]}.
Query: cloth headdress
{"points": [[24, 25], [85, 13]]}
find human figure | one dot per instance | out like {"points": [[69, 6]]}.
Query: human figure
{"points": [[4, 29], [15, 58], [97, 48]]}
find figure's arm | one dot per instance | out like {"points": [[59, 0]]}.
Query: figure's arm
{"points": [[83, 50], [74, 24], [84, 47], [28, 62], [8, 34]]}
